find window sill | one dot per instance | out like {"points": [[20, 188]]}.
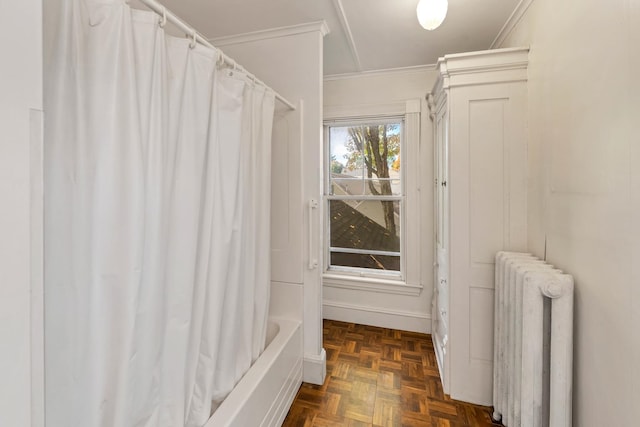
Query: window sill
{"points": [[384, 286]]}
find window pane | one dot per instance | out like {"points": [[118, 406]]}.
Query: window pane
{"points": [[381, 155], [377, 262], [382, 187], [364, 163], [368, 152], [348, 187], [345, 159], [365, 224]]}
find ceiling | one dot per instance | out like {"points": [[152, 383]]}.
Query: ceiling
{"points": [[365, 35]]}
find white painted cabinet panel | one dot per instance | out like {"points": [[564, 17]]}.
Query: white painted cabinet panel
{"points": [[440, 306], [479, 112], [286, 199]]}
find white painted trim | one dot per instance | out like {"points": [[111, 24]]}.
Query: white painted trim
{"points": [[335, 112], [414, 106], [381, 286], [482, 67], [36, 243], [337, 4], [314, 368], [377, 316], [438, 347], [511, 58], [396, 108], [410, 282], [513, 20], [411, 209], [272, 33], [383, 72]]}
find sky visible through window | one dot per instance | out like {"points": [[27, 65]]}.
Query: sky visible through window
{"points": [[338, 147]]}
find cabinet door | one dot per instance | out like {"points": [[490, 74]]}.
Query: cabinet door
{"points": [[487, 187], [441, 289]]}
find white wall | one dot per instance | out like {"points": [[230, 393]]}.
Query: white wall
{"points": [[584, 190], [20, 245], [383, 307], [290, 61]]}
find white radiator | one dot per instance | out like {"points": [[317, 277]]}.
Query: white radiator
{"points": [[533, 342]]}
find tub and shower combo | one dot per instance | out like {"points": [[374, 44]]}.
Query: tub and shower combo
{"points": [[157, 170], [263, 396]]}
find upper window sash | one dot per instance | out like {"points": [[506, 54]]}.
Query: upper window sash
{"points": [[354, 122]]}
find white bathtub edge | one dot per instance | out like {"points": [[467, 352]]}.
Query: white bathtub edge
{"points": [[283, 402], [270, 377]]}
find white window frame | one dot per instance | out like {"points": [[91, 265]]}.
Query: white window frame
{"points": [[358, 271], [408, 281]]}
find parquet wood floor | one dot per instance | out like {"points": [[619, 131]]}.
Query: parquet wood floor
{"points": [[380, 377]]}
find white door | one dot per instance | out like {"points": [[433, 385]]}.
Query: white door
{"points": [[488, 214]]}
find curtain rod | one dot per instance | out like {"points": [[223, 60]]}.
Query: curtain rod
{"points": [[166, 14]]}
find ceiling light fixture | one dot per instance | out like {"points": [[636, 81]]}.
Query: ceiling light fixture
{"points": [[431, 13]]}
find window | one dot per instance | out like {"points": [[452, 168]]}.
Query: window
{"points": [[364, 192]]}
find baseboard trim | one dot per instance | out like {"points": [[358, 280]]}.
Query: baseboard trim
{"points": [[376, 316], [314, 368]]}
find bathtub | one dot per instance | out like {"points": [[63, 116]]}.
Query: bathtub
{"points": [[264, 394]]}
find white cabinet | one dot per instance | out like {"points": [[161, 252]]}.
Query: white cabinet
{"points": [[440, 306], [478, 107]]}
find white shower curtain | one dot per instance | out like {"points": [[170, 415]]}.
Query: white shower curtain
{"points": [[157, 201]]}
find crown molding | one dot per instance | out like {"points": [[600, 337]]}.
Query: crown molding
{"points": [[272, 33], [383, 72], [487, 66], [511, 23], [485, 60]]}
